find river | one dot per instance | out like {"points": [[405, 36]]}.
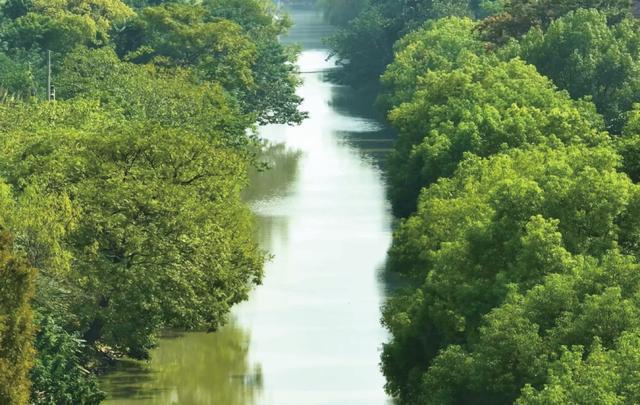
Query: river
{"points": [[311, 333]]}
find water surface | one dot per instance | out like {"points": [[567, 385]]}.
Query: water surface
{"points": [[311, 333]]}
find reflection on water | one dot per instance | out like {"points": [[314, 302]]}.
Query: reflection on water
{"points": [[191, 368], [315, 322], [275, 179], [311, 333]]}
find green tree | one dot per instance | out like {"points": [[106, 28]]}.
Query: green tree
{"points": [[341, 12], [599, 377], [273, 97], [163, 240], [365, 47], [483, 107], [516, 256], [517, 17], [583, 54], [16, 79], [628, 145], [232, 43], [442, 44], [178, 35], [169, 97], [58, 376], [61, 25], [16, 323]]}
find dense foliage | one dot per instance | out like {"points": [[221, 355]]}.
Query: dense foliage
{"points": [[231, 43], [449, 102], [341, 12], [150, 198], [364, 45], [585, 55], [58, 375], [515, 173], [124, 194], [517, 17], [519, 257], [16, 324]]}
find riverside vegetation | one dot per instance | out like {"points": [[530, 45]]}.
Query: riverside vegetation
{"points": [[121, 210], [515, 180]]}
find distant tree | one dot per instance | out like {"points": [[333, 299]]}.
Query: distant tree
{"points": [[585, 55], [450, 8], [62, 24], [341, 12], [365, 47], [519, 16]]}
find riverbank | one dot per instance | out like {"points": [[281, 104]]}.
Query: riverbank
{"points": [[311, 333]]}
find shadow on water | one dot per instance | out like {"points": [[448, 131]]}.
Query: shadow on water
{"points": [[374, 139], [357, 102]]}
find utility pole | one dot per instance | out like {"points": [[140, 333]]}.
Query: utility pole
{"points": [[49, 75]]}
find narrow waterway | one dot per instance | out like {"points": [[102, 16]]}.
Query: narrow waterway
{"points": [[311, 333]]}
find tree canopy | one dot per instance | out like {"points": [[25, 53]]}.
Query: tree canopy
{"points": [[585, 55], [514, 179], [157, 206], [517, 17], [60, 25], [124, 194], [520, 257], [482, 107]]}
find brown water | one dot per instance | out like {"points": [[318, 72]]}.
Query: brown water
{"points": [[311, 333]]}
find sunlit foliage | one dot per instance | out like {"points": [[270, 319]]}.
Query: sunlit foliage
{"points": [[125, 193], [16, 323], [519, 257], [585, 55], [483, 107], [161, 230]]}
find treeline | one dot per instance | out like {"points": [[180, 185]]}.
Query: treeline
{"points": [[515, 177], [120, 202]]}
